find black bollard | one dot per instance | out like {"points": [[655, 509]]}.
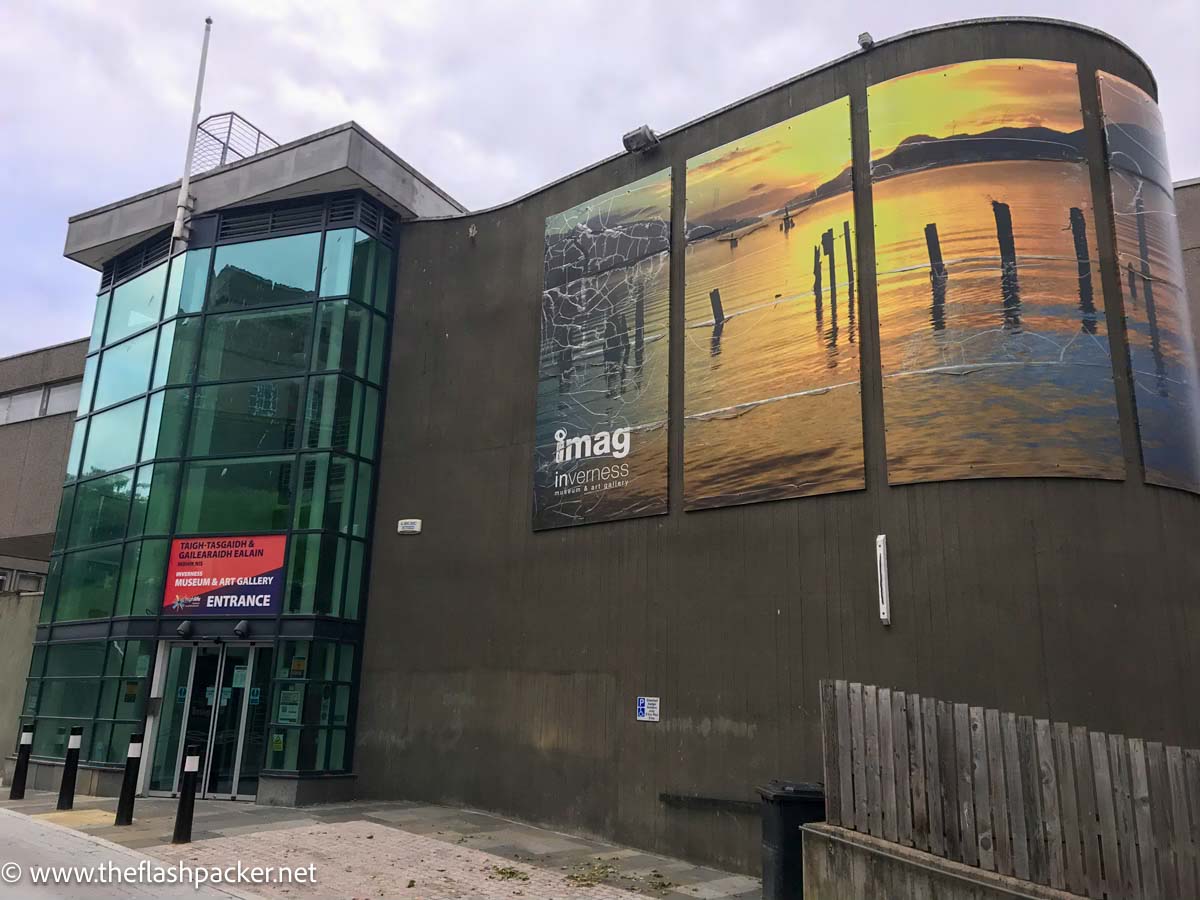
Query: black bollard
{"points": [[187, 796], [66, 790], [17, 790], [133, 762]]}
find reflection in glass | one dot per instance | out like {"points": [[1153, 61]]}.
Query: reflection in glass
{"points": [[341, 337], [101, 509], [236, 496], [124, 370], [189, 277], [247, 417], [136, 304], [334, 413], [88, 584], [256, 345], [113, 438], [349, 265], [178, 342], [265, 273], [165, 423]]}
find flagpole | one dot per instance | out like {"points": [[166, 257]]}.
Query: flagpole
{"points": [[183, 205]]}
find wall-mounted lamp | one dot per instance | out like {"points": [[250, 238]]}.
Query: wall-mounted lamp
{"points": [[865, 41], [241, 629], [640, 139], [185, 629]]}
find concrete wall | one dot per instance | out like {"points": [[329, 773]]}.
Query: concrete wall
{"points": [[35, 453], [1187, 207], [501, 666], [18, 619], [844, 865]]}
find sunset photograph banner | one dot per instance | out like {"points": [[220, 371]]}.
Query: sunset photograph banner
{"points": [[601, 436], [993, 341], [772, 400], [1159, 323]]}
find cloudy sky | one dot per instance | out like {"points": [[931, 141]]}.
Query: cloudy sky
{"points": [[488, 99]]}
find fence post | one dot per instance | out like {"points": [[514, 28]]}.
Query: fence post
{"points": [[187, 796], [133, 761], [66, 788], [24, 748]]}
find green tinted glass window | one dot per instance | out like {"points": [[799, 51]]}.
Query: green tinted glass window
{"points": [[165, 423], [265, 273], [113, 438], [99, 318], [101, 509], [178, 342], [256, 345], [334, 413], [124, 370], [354, 580], [323, 497], [76, 449], [136, 304], [316, 572], [89, 383], [236, 495], [370, 421], [53, 579], [89, 584], [348, 268], [71, 697], [362, 501], [378, 349], [383, 279], [143, 570], [63, 520], [153, 499], [189, 276], [341, 337], [248, 417], [79, 659]]}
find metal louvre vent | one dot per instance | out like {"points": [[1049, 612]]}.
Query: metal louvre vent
{"points": [[342, 211], [263, 223], [144, 255]]}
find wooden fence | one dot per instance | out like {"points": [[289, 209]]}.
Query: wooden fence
{"points": [[1096, 814]]}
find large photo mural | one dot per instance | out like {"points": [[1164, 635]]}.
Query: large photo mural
{"points": [[601, 441], [993, 340], [771, 378], [1158, 321]]}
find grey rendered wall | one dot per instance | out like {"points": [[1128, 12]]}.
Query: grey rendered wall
{"points": [[501, 666], [1187, 207], [18, 619]]}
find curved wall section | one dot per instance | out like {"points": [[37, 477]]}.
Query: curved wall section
{"points": [[502, 664]]}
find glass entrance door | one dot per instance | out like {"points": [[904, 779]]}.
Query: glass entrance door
{"points": [[215, 698]]}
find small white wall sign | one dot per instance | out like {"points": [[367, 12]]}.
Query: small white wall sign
{"points": [[408, 526], [647, 709]]}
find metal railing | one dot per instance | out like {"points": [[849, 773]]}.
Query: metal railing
{"points": [[226, 137]]}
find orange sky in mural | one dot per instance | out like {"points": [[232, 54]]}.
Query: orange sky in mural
{"points": [[646, 198], [760, 172], [973, 97]]}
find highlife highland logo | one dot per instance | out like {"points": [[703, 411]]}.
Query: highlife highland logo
{"points": [[585, 480]]}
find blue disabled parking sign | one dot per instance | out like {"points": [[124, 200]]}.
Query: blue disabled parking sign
{"points": [[647, 709]]}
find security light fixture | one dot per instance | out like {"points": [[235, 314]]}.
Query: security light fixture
{"points": [[241, 629], [640, 139], [185, 629], [865, 41]]}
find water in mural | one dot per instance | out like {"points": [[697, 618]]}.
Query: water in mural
{"points": [[993, 340], [771, 379], [601, 442], [1158, 318]]}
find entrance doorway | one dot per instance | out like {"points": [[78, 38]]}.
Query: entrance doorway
{"points": [[215, 696]]}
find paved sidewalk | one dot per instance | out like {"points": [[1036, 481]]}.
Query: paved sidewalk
{"points": [[377, 850]]}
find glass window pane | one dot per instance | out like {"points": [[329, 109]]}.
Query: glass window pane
{"points": [[189, 276], [337, 749], [341, 337], [370, 422], [20, 406], [71, 697], [136, 304], [315, 574], [256, 345], [293, 661], [334, 413], [98, 320], [63, 397], [89, 584], [247, 417], [101, 509], [178, 342], [378, 349], [53, 578], [236, 495], [362, 501], [348, 268], [323, 499], [354, 581], [76, 448], [321, 662], [345, 669], [165, 423], [113, 438], [50, 736], [89, 383], [153, 499], [63, 521], [143, 570], [265, 273], [81, 659], [383, 279], [124, 371]]}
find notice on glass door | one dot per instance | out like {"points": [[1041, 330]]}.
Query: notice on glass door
{"points": [[225, 576]]}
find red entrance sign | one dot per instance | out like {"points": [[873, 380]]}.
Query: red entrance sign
{"points": [[225, 576]]}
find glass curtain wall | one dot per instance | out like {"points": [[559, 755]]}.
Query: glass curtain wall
{"points": [[232, 389]]}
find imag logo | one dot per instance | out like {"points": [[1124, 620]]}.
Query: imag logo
{"points": [[613, 443]]}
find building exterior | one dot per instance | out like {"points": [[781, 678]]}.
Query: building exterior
{"points": [[563, 508]]}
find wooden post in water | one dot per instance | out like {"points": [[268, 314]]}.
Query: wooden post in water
{"points": [[1009, 286], [714, 297], [849, 265], [1083, 260], [817, 286], [1160, 368], [937, 278], [639, 325], [827, 247]]}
